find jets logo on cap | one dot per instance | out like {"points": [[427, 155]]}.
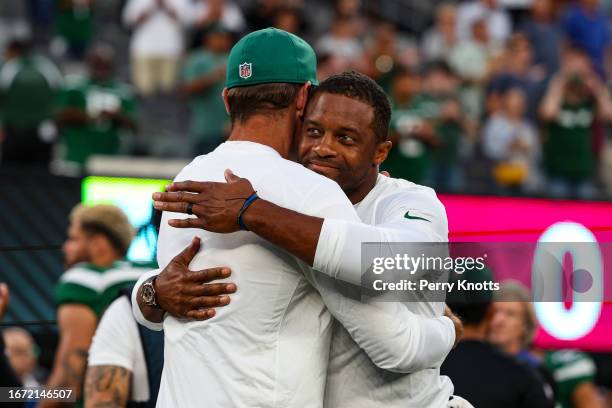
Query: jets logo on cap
{"points": [[244, 70]]}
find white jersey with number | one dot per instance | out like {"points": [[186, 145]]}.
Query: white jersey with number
{"points": [[395, 211]]}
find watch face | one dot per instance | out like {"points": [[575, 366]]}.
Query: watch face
{"points": [[148, 295]]}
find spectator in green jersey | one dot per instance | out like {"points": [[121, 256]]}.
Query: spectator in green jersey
{"points": [[27, 128], [94, 112], [203, 83], [74, 26], [574, 373], [575, 99], [412, 132]]}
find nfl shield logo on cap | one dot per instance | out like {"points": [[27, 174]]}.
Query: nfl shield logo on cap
{"points": [[245, 71]]}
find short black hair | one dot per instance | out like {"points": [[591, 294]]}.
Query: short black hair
{"points": [[363, 88], [471, 314], [266, 99], [471, 306]]}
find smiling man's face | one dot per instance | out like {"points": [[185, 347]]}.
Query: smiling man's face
{"points": [[338, 141]]}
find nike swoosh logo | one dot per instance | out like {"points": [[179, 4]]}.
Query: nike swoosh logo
{"points": [[411, 217]]}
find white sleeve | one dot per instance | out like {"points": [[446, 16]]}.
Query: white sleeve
{"points": [[116, 339], [340, 257], [393, 337], [136, 312]]}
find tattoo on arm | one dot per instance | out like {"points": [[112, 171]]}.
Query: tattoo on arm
{"points": [[73, 365], [107, 387]]}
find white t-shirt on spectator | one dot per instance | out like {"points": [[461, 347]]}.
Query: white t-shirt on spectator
{"points": [[160, 35], [117, 343]]}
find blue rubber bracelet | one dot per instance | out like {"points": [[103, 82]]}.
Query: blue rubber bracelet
{"points": [[246, 205]]}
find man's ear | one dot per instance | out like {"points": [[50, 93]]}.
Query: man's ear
{"points": [[382, 151], [224, 96], [302, 99]]}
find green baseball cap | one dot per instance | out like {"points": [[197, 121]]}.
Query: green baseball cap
{"points": [[271, 56]]}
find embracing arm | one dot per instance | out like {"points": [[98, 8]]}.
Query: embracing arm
{"points": [[180, 292], [321, 243], [394, 338], [290, 230]]}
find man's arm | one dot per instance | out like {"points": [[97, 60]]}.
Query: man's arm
{"points": [[551, 104], [181, 292], [321, 243], [586, 396], [77, 324], [7, 375], [217, 206], [107, 386]]}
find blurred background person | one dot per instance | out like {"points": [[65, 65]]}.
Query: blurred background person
{"points": [[511, 143], [98, 240], [574, 373], [262, 13], [568, 375], [471, 59], [496, 18], [482, 374], [94, 113], [585, 25], [545, 36], [411, 131], [14, 22], [351, 10], [575, 98], [513, 328], [207, 13], [515, 68], [8, 377], [28, 131], [203, 82], [74, 27], [342, 41], [125, 360], [22, 352], [157, 43], [290, 19], [450, 126], [387, 50], [439, 40]]}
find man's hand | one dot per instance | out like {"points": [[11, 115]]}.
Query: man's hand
{"points": [[4, 299], [187, 294], [457, 322], [216, 205]]}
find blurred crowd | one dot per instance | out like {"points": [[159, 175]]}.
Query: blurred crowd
{"points": [[489, 98]]}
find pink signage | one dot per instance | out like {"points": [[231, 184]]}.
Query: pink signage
{"points": [[524, 220]]}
